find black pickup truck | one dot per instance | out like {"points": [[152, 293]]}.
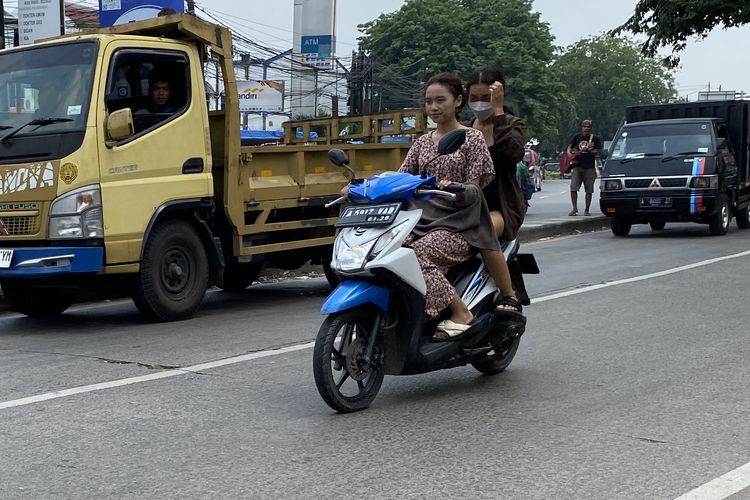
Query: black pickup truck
{"points": [[681, 162]]}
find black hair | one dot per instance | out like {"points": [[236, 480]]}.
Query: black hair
{"points": [[159, 75], [487, 75], [452, 82]]}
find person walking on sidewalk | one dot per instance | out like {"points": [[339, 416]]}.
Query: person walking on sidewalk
{"points": [[583, 150]]}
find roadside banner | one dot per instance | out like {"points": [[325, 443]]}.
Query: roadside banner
{"points": [[39, 19], [261, 95], [112, 12]]}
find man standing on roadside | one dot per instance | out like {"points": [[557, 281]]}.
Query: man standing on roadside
{"points": [[583, 148]]}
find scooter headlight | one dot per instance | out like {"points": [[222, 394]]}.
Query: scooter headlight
{"points": [[352, 258], [386, 238]]}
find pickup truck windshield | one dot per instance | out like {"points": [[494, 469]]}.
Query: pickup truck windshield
{"points": [[645, 141], [46, 82]]}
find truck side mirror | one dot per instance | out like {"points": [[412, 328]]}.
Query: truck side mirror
{"points": [[119, 126], [604, 154]]}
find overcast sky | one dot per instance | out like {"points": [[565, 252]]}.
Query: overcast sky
{"points": [[719, 59]]}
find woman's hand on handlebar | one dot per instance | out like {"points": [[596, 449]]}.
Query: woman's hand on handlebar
{"points": [[453, 187], [344, 190], [443, 184]]}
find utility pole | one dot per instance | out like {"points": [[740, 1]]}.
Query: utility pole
{"points": [[2, 25]]}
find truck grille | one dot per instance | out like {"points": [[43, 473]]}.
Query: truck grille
{"points": [[668, 182], [21, 226]]}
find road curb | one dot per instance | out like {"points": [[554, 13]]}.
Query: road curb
{"points": [[573, 226]]}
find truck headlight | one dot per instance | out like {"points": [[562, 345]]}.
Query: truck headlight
{"points": [[77, 214], [352, 258], [612, 185], [705, 182]]}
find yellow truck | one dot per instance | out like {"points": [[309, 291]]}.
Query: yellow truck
{"points": [[104, 182]]}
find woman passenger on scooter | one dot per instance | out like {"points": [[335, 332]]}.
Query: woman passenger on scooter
{"points": [[442, 240], [504, 135]]}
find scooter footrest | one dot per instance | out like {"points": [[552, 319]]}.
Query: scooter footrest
{"points": [[470, 353]]}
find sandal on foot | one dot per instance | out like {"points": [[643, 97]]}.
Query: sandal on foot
{"points": [[508, 306], [587, 213], [573, 213], [449, 330]]}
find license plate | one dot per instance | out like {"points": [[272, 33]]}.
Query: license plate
{"points": [[5, 257], [368, 215], [656, 202]]}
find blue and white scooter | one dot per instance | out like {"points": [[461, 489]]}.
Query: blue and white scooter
{"points": [[376, 320]]}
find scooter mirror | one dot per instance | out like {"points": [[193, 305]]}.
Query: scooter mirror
{"points": [[338, 157], [452, 141]]}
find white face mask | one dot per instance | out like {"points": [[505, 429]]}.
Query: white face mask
{"points": [[482, 110]]}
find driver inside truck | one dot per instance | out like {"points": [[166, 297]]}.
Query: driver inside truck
{"points": [[160, 91]]}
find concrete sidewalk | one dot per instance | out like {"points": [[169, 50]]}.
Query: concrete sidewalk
{"points": [[530, 231]]}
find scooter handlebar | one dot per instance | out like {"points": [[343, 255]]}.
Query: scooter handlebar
{"points": [[435, 192], [455, 187]]}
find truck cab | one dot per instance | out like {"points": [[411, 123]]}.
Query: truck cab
{"points": [[76, 199], [689, 168]]}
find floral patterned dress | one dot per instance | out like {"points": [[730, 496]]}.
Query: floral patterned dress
{"points": [[439, 250]]}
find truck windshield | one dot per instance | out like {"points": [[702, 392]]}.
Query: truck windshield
{"points": [[39, 83], [644, 141]]}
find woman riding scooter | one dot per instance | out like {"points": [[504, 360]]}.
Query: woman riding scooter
{"points": [[443, 238]]}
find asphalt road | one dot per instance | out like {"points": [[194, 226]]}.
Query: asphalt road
{"points": [[630, 383]]}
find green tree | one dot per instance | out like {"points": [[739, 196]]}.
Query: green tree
{"points": [[424, 37], [603, 75], [672, 22]]}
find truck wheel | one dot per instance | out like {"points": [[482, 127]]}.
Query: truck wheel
{"points": [[743, 218], [621, 226], [35, 301], [719, 222], [237, 277], [657, 225], [174, 273]]}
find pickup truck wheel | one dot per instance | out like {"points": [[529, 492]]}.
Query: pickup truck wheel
{"points": [[620, 226], [237, 277], [174, 273], [657, 225], [719, 222], [743, 218], [35, 301]]}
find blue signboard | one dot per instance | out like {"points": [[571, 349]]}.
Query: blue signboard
{"points": [[112, 12], [319, 45]]}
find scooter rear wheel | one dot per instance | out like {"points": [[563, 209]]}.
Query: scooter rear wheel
{"points": [[345, 380], [496, 362]]}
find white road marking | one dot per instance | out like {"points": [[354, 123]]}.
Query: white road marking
{"points": [[154, 376], [722, 487], [635, 279], [275, 352]]}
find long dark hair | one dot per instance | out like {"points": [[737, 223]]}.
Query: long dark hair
{"points": [[452, 82], [488, 75]]}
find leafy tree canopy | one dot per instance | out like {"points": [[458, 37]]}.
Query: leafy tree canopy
{"points": [[605, 74], [428, 36], [672, 22]]}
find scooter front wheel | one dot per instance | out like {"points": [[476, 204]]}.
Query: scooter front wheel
{"points": [[346, 380]]}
